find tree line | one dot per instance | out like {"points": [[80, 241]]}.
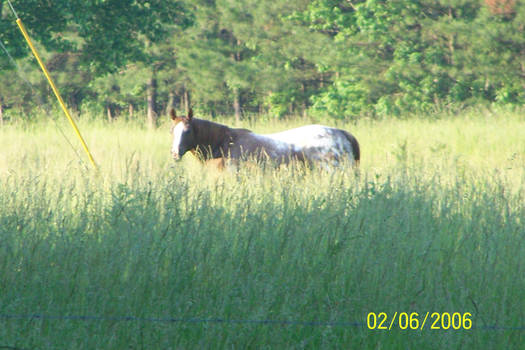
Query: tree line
{"points": [[343, 58]]}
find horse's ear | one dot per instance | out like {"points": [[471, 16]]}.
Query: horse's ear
{"points": [[190, 114], [173, 115]]}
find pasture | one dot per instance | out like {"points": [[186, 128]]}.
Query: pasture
{"points": [[433, 222]]}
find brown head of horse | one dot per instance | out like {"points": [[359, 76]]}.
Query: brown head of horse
{"points": [[311, 143]]}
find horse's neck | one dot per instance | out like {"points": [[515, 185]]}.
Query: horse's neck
{"points": [[211, 137]]}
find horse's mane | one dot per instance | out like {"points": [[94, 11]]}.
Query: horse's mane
{"points": [[214, 136], [210, 133]]}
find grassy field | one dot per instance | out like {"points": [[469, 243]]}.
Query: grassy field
{"points": [[433, 222]]}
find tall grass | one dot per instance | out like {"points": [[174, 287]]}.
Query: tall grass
{"points": [[432, 222]]}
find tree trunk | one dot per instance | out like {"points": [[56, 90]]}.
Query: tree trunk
{"points": [[130, 111], [171, 102], [152, 101], [187, 102], [110, 114], [451, 45], [303, 91], [236, 105], [236, 94], [1, 112]]}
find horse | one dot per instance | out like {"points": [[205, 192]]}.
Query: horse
{"points": [[217, 143]]}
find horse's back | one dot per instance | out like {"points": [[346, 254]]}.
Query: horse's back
{"points": [[321, 143], [246, 145]]}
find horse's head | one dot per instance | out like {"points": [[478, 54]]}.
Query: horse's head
{"points": [[183, 134]]}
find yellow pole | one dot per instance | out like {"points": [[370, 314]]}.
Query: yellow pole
{"points": [[55, 90]]}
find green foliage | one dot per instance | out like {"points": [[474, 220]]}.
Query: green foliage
{"points": [[110, 33], [415, 56], [345, 59]]}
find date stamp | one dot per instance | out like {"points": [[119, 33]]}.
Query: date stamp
{"points": [[416, 321]]}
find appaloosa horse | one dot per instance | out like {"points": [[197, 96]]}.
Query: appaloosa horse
{"points": [[310, 144]]}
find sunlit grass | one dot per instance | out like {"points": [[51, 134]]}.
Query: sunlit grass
{"points": [[433, 222]]}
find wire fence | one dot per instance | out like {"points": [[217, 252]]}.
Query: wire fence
{"points": [[270, 322], [178, 320]]}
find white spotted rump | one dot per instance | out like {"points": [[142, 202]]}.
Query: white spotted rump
{"points": [[316, 142]]}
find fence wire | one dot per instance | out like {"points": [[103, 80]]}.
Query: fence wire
{"points": [[219, 321], [179, 320]]}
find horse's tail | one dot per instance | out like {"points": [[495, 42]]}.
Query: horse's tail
{"points": [[356, 152]]}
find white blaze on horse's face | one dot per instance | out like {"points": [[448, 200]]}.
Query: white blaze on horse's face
{"points": [[179, 131]]}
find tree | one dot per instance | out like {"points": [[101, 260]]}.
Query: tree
{"points": [[102, 36], [342, 58], [214, 60], [393, 57]]}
